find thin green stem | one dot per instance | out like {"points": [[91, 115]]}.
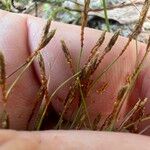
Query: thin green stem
{"points": [[76, 116], [106, 15], [80, 55], [84, 104], [20, 75]]}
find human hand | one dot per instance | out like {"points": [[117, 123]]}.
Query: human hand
{"points": [[19, 36]]}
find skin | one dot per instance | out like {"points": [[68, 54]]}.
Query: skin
{"points": [[19, 37]]}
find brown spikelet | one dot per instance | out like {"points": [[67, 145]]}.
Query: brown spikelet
{"points": [[2, 76], [84, 20], [97, 45], [83, 24], [112, 41], [42, 66], [43, 95], [67, 55], [138, 26], [2, 69], [91, 66], [121, 93], [45, 40], [46, 28]]}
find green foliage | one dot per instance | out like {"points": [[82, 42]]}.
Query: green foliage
{"points": [[106, 16], [6, 5], [25, 2], [58, 10], [56, 2]]}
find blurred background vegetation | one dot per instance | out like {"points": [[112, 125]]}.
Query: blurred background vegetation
{"points": [[109, 15]]}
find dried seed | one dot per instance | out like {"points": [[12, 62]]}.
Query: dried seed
{"points": [[46, 28], [97, 45], [112, 41], [67, 55], [45, 40], [84, 19], [2, 69], [91, 66], [121, 93]]}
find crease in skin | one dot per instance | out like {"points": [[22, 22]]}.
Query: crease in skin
{"points": [[29, 49], [31, 120]]}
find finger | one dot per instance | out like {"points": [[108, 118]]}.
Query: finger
{"points": [[14, 45], [67, 140]]}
